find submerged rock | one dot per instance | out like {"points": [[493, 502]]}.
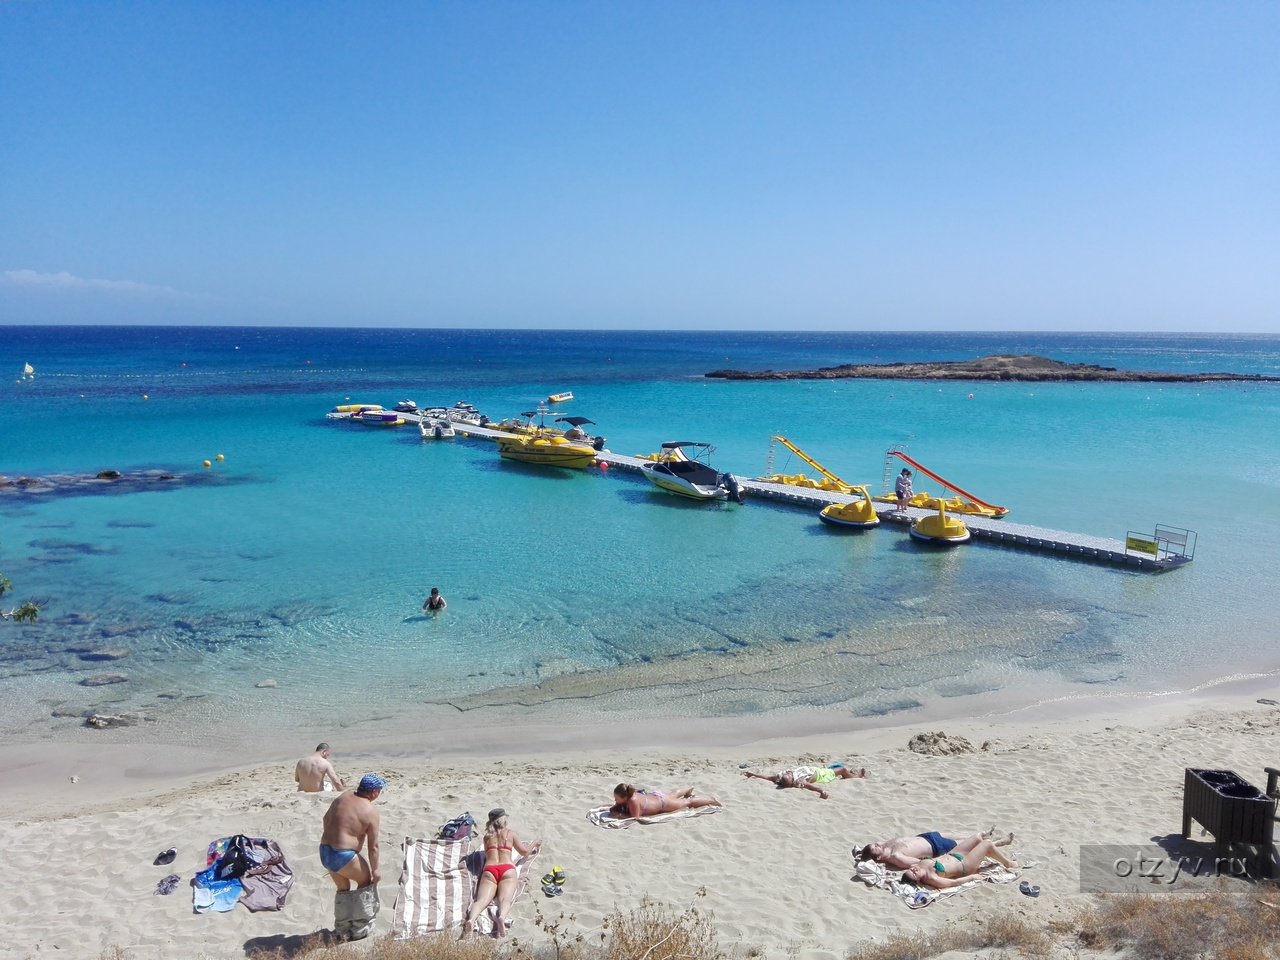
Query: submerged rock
{"points": [[266, 683], [108, 475], [103, 679], [104, 653], [100, 721], [939, 745]]}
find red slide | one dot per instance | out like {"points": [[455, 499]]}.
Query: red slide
{"points": [[999, 511]]}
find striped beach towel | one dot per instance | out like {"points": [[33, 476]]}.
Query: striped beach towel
{"points": [[437, 884]]}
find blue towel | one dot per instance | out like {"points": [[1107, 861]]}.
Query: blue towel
{"points": [[208, 893]]}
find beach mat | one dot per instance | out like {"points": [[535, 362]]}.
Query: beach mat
{"points": [[437, 883], [604, 817], [875, 874]]}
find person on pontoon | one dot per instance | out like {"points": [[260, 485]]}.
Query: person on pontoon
{"points": [[902, 487]]}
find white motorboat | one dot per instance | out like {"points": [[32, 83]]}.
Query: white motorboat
{"points": [[436, 428], [684, 469]]}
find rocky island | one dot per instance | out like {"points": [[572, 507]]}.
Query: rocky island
{"points": [[1029, 368]]}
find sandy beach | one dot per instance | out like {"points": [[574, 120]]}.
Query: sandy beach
{"points": [[775, 864]]}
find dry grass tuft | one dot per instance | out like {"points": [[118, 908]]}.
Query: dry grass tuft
{"points": [[1002, 930], [655, 931], [1214, 925]]}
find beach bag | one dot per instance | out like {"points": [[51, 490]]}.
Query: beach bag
{"points": [[459, 828], [236, 861]]}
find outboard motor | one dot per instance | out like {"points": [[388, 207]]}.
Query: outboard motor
{"points": [[597, 444], [734, 488]]}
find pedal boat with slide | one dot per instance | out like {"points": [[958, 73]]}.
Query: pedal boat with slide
{"points": [[856, 515], [691, 476]]}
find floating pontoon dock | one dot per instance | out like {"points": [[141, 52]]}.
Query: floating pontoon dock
{"points": [[1167, 548]]}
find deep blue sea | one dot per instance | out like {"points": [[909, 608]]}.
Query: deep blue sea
{"points": [[304, 555]]}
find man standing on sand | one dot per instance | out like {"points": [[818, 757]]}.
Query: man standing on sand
{"points": [[315, 773], [351, 822]]}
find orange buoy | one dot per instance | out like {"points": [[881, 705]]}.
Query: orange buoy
{"points": [[208, 464]]}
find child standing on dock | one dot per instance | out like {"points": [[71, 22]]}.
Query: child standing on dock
{"points": [[903, 490]]}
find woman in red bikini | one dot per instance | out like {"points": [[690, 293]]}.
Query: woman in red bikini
{"points": [[498, 880]]}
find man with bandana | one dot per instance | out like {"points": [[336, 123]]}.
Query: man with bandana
{"points": [[350, 823]]}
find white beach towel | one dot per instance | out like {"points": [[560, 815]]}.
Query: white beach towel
{"points": [[437, 884], [875, 874], [604, 817]]}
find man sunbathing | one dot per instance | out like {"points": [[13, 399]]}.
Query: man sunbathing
{"points": [[633, 802], [809, 778], [952, 869], [908, 851]]}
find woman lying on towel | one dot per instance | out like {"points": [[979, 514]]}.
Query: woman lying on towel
{"points": [[499, 876], [632, 802], [809, 778], [953, 869]]}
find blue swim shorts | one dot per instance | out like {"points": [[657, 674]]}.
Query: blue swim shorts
{"points": [[334, 860], [938, 843]]}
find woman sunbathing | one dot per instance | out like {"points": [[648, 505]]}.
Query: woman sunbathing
{"points": [[498, 880], [632, 802], [809, 778], [953, 869]]}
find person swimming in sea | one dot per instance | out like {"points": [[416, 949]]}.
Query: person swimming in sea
{"points": [[434, 603]]}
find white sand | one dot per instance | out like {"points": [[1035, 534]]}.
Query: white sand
{"points": [[775, 864]]}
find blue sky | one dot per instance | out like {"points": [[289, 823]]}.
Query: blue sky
{"points": [[820, 166]]}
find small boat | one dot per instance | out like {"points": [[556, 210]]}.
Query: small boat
{"points": [[406, 406], [691, 476], [350, 411], [858, 515], [938, 527], [463, 412], [379, 418], [577, 434], [436, 428], [560, 397], [547, 450], [29, 373]]}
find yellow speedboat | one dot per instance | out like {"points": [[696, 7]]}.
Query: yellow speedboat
{"points": [[938, 527], [546, 450], [860, 514]]}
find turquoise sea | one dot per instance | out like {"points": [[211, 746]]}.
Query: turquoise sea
{"points": [[303, 557]]}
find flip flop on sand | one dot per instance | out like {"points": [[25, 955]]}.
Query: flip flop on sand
{"points": [[557, 875], [167, 856], [1028, 889]]}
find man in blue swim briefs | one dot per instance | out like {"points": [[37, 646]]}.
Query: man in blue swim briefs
{"points": [[906, 852], [351, 822]]}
